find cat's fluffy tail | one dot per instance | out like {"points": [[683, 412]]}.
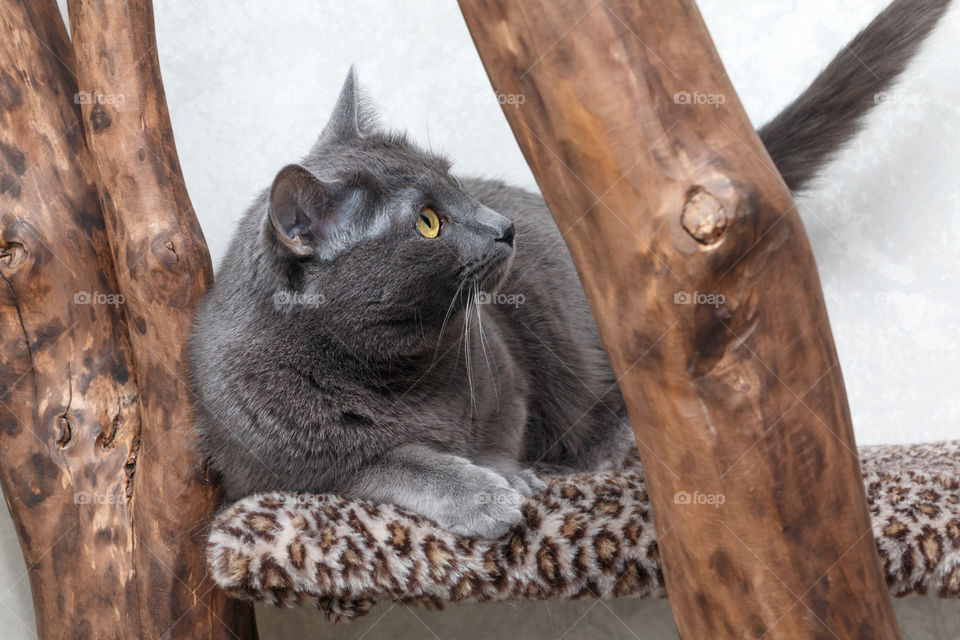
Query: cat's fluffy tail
{"points": [[807, 133]]}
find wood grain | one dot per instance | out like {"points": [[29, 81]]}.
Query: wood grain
{"points": [[163, 269], [97, 457], [69, 424], [706, 295]]}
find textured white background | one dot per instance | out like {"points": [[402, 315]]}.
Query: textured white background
{"points": [[250, 83]]}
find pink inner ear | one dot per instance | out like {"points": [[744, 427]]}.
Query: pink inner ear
{"points": [[288, 219]]}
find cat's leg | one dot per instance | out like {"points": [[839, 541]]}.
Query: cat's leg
{"points": [[607, 438], [611, 450], [460, 496], [499, 446]]}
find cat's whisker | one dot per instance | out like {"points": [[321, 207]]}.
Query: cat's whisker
{"points": [[446, 317], [436, 352], [483, 348], [466, 349]]}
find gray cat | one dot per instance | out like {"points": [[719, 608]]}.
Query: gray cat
{"points": [[383, 330]]}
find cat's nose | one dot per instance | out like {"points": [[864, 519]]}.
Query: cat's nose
{"points": [[507, 234]]}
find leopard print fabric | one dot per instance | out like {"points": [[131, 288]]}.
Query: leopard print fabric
{"points": [[589, 535]]}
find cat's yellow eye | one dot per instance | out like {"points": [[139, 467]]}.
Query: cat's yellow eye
{"points": [[428, 223]]}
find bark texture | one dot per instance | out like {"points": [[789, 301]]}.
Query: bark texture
{"points": [[102, 262], [69, 425], [707, 298]]}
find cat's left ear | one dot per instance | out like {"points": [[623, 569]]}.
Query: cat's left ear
{"points": [[344, 122], [301, 213]]}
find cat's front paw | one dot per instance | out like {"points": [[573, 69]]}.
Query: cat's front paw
{"points": [[487, 508], [525, 481]]}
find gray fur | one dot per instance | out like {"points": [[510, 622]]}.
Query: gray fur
{"points": [[352, 355], [340, 351], [806, 135]]}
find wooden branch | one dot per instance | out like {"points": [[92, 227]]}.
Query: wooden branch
{"points": [[668, 201], [69, 425], [108, 507], [163, 269]]}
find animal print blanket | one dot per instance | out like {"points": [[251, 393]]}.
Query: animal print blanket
{"points": [[589, 535]]}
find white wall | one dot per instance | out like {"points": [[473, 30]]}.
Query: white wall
{"points": [[250, 83]]}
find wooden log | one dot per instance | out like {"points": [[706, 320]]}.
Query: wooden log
{"points": [[69, 423], [163, 269], [668, 201]]}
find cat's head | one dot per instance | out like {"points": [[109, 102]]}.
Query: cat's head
{"points": [[376, 240]]}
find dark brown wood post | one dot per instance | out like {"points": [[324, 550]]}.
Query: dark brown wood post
{"points": [[163, 269], [69, 423], [707, 298], [102, 263]]}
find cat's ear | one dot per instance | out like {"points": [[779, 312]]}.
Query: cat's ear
{"points": [[344, 123], [301, 210]]}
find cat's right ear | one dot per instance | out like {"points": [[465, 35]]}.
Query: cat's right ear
{"points": [[301, 212]]}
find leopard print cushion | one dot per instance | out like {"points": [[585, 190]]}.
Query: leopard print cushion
{"points": [[589, 535]]}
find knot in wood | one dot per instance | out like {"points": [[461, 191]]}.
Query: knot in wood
{"points": [[65, 428], [99, 118], [12, 255], [703, 216], [167, 253]]}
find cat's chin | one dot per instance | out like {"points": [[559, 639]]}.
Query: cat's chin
{"points": [[496, 274]]}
